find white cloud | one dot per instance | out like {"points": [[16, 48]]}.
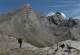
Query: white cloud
{"points": [[50, 14]]}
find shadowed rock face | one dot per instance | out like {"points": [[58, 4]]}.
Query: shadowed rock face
{"points": [[35, 29]]}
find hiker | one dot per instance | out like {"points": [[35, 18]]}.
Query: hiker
{"points": [[20, 42]]}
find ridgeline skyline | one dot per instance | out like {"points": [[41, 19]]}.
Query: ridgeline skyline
{"points": [[69, 7]]}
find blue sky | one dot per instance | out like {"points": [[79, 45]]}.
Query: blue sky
{"points": [[70, 7]]}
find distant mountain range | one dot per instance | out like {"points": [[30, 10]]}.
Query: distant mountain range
{"points": [[39, 30]]}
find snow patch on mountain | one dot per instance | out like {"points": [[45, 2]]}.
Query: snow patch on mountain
{"points": [[52, 13]]}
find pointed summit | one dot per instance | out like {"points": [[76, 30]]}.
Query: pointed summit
{"points": [[27, 8]]}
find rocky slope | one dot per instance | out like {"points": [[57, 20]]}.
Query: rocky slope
{"points": [[38, 30], [26, 24], [54, 33], [62, 48]]}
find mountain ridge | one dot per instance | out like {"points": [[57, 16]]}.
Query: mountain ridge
{"points": [[33, 28]]}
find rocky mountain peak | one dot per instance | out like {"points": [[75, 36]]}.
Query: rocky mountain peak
{"points": [[27, 7]]}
